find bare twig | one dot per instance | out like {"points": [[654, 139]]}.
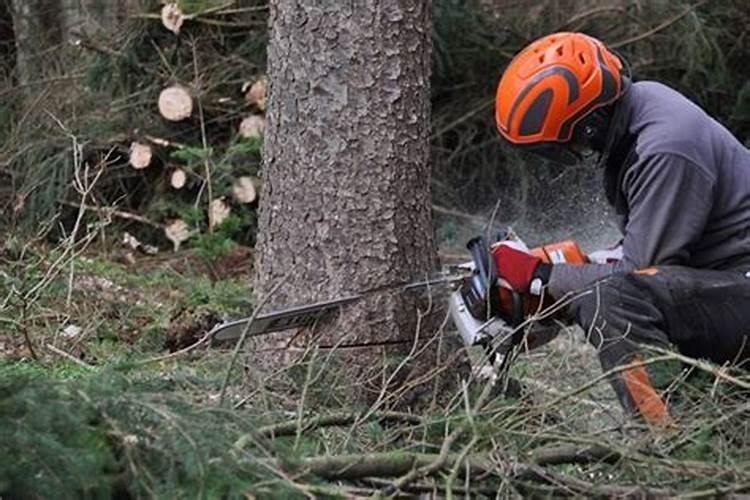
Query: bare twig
{"points": [[669, 22], [109, 211], [442, 458], [460, 463], [465, 117], [479, 221], [718, 372], [69, 356], [204, 141], [563, 484], [242, 338], [172, 355], [589, 13]]}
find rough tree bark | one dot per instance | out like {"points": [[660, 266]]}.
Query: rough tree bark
{"points": [[346, 200]]}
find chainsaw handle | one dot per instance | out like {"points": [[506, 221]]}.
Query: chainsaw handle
{"points": [[484, 263]]}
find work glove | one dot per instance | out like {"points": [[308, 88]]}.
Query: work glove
{"points": [[524, 272], [607, 255]]}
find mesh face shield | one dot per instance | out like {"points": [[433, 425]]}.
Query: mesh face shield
{"points": [[556, 152]]}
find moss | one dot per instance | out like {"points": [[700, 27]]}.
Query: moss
{"points": [[32, 370]]}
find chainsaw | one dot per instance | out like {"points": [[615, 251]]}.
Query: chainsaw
{"points": [[487, 311], [484, 308]]}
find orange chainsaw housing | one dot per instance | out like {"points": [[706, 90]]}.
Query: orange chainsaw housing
{"points": [[562, 252]]}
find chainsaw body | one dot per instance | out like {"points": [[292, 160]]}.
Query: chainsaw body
{"points": [[486, 310]]}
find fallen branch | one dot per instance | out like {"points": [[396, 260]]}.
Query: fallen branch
{"points": [[388, 464], [392, 464], [438, 491], [559, 484], [443, 459], [114, 212], [571, 454], [69, 356], [336, 419], [718, 372]]}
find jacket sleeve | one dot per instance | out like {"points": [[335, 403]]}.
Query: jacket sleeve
{"points": [[669, 200]]}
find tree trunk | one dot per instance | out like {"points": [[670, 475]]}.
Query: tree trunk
{"points": [[36, 27], [7, 47], [90, 16], [43, 25], [346, 198]]}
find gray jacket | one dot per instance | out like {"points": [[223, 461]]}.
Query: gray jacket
{"points": [[680, 183]]}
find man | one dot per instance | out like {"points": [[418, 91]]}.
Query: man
{"points": [[680, 183]]}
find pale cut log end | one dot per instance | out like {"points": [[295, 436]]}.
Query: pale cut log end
{"points": [[175, 103], [177, 232], [255, 93], [140, 155], [218, 211], [178, 179], [252, 126], [244, 190], [172, 17]]}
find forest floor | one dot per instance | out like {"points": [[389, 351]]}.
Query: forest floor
{"points": [[104, 348]]}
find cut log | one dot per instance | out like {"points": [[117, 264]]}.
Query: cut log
{"points": [[172, 17], [252, 126], [255, 93], [243, 189], [140, 155], [133, 243], [218, 211], [175, 103], [178, 178], [177, 231]]}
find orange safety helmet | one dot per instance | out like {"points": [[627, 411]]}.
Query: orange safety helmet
{"points": [[553, 84]]}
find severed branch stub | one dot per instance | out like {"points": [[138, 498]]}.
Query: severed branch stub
{"points": [[175, 103], [140, 155]]}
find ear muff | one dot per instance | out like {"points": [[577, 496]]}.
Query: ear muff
{"points": [[591, 131]]}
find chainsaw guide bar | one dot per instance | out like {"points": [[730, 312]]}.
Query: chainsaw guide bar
{"points": [[304, 315], [293, 317]]}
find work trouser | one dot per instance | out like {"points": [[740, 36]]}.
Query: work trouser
{"points": [[703, 313]]}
